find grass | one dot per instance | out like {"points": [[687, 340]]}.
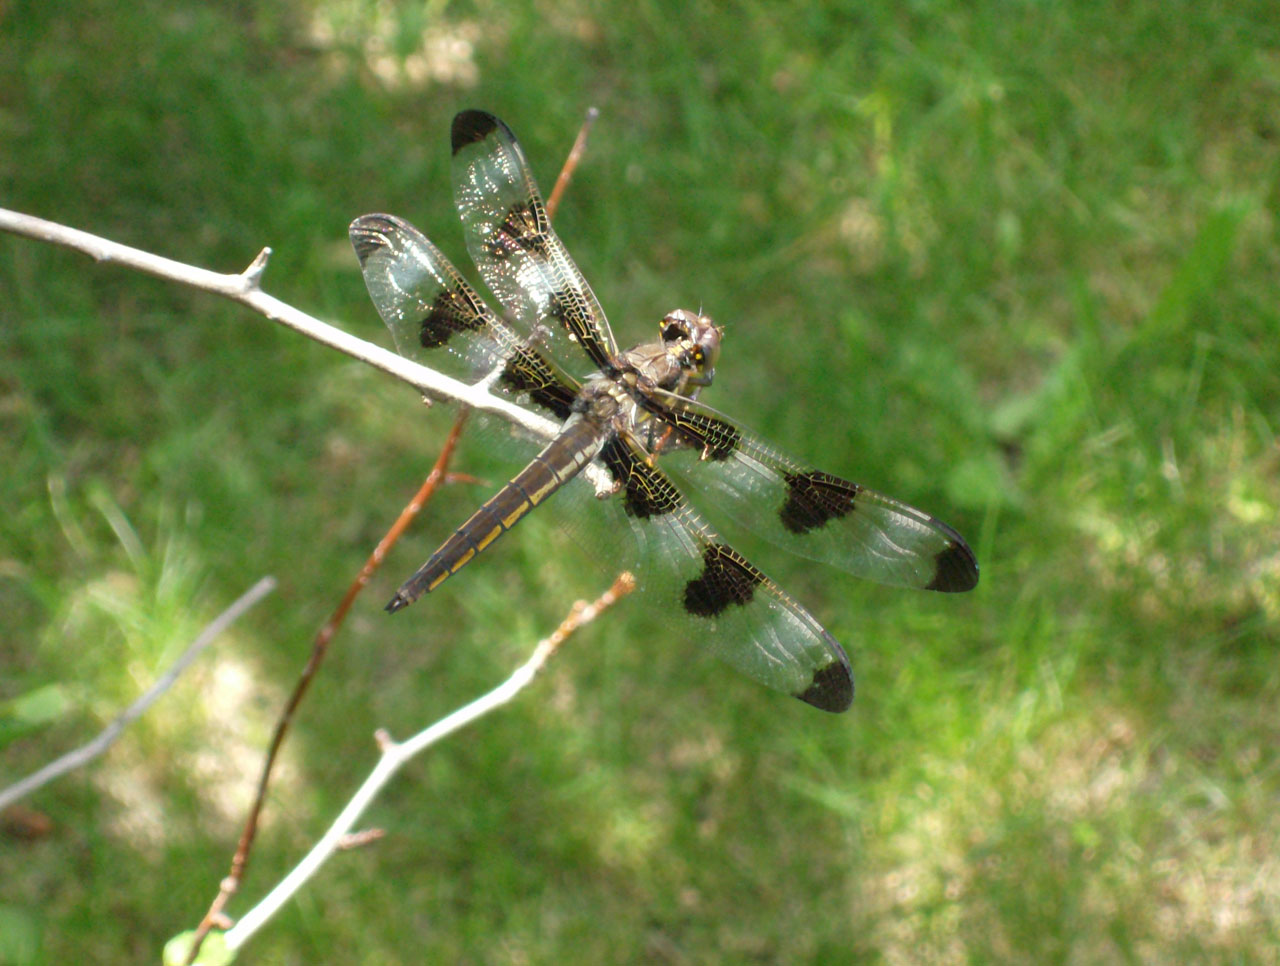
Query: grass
{"points": [[1014, 264]]}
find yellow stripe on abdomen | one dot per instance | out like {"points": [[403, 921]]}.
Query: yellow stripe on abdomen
{"points": [[560, 461]]}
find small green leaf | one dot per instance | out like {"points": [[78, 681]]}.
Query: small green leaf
{"points": [[32, 710], [213, 951], [38, 706]]}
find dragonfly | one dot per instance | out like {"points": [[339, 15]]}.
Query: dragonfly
{"points": [[637, 416]]}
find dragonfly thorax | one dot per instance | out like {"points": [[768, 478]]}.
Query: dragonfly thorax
{"points": [[681, 362], [601, 400]]}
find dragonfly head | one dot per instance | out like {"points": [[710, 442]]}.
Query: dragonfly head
{"points": [[694, 340]]}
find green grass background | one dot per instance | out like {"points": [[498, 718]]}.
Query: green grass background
{"points": [[1015, 263]]}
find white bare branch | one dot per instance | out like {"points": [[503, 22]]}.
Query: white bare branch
{"points": [[244, 288], [394, 754]]}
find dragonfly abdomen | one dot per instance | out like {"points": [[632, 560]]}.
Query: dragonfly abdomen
{"points": [[560, 461]]}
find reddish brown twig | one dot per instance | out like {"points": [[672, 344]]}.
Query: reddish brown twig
{"points": [[240, 862], [571, 162], [393, 755]]}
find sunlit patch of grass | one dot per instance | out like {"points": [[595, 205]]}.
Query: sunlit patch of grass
{"points": [[1203, 530], [404, 48], [207, 736], [138, 607], [1099, 838]]}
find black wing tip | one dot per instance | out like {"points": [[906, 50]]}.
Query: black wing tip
{"points": [[831, 688], [956, 569], [368, 233], [470, 126]]}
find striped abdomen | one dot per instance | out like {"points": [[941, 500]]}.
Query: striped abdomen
{"points": [[560, 461]]}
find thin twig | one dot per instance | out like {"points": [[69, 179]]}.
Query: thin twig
{"points": [[395, 754], [231, 883], [86, 753], [240, 862], [358, 840], [244, 288], [571, 162]]}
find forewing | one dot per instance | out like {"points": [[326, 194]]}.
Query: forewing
{"points": [[710, 594], [434, 315], [511, 241], [812, 513]]}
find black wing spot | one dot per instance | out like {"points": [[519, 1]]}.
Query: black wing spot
{"points": [[451, 311], [831, 689], [717, 439], [726, 579], [527, 371], [470, 127], [647, 492], [815, 498], [957, 569], [536, 242], [520, 231]]}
